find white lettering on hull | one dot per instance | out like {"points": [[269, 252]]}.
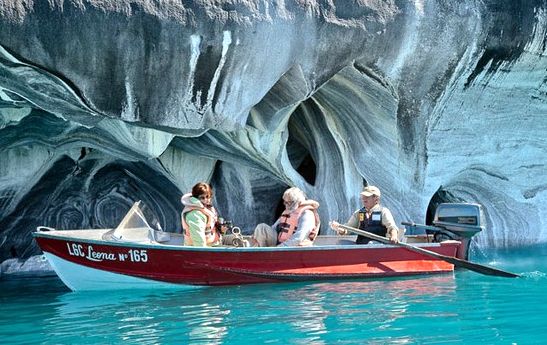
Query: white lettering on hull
{"points": [[134, 255], [99, 256]]}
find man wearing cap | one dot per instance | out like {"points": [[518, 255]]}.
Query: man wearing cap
{"points": [[372, 217]]}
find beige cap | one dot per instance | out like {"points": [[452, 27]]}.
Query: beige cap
{"points": [[370, 191]]}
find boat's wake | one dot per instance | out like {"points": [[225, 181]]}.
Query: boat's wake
{"points": [[536, 275]]}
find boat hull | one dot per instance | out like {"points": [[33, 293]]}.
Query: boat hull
{"points": [[85, 264]]}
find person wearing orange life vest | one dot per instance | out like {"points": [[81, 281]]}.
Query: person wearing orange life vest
{"points": [[372, 217], [199, 217], [297, 226]]}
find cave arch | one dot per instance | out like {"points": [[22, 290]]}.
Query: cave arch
{"points": [[301, 159], [441, 195], [299, 143]]}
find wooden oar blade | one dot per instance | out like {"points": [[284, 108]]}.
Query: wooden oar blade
{"points": [[487, 270], [483, 269]]}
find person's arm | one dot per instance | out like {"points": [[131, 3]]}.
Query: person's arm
{"points": [[197, 227], [389, 223], [305, 226], [353, 221]]}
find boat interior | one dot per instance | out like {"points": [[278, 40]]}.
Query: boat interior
{"points": [[149, 236], [134, 228]]}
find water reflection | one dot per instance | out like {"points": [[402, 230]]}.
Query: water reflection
{"points": [[410, 310], [308, 312], [312, 312], [407, 287], [144, 317], [378, 305]]}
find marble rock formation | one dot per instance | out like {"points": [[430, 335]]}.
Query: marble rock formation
{"points": [[106, 102]]}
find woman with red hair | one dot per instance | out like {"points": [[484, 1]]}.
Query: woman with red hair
{"points": [[199, 217]]}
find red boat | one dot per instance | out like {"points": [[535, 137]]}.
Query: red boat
{"points": [[134, 255]]}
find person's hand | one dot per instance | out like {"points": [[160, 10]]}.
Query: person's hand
{"points": [[335, 226], [394, 239]]}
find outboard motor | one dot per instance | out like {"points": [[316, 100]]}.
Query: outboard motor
{"points": [[458, 222], [463, 220], [455, 221]]}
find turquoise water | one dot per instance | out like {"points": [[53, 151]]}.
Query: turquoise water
{"points": [[459, 308]]}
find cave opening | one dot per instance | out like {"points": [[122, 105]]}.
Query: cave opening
{"points": [[441, 195], [279, 208], [300, 156], [246, 196]]}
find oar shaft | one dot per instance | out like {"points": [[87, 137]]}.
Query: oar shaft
{"points": [[365, 233], [386, 241], [483, 269]]}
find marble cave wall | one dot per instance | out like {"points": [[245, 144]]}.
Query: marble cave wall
{"points": [[103, 103]]}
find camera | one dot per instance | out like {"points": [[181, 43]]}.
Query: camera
{"points": [[227, 224]]}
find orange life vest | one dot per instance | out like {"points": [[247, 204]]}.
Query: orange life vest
{"points": [[211, 235], [288, 222]]}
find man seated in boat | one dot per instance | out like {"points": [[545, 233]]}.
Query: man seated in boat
{"points": [[372, 217], [199, 217], [297, 226]]}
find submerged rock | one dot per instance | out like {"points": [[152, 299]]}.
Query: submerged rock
{"points": [[31, 267], [105, 103]]}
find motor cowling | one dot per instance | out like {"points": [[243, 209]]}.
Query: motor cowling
{"points": [[452, 221], [458, 221], [461, 219]]}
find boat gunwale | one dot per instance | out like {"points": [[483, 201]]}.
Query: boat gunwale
{"points": [[54, 235]]}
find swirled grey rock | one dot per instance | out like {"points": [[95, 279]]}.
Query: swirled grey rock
{"points": [[104, 103], [94, 191], [36, 265]]}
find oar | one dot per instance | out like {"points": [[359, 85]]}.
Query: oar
{"points": [[455, 261]]}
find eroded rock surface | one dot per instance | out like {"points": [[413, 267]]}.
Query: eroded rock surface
{"points": [[106, 102]]}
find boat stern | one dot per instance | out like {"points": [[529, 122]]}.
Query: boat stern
{"points": [[453, 221]]}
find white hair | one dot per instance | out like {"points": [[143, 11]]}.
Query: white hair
{"points": [[295, 195]]}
